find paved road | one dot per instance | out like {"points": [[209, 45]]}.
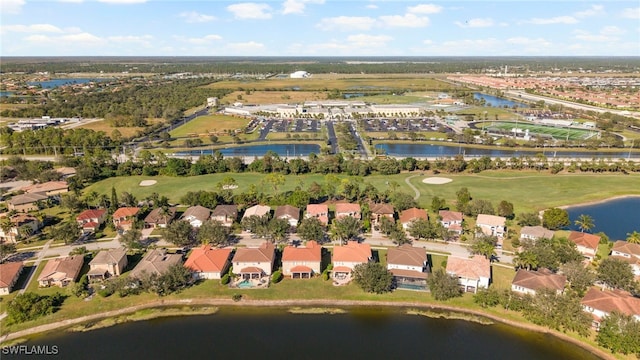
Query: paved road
{"points": [[333, 140], [361, 147], [265, 130]]}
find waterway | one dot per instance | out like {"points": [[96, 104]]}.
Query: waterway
{"points": [[615, 217], [431, 150], [6, 93], [495, 101], [259, 150], [361, 333], [53, 83]]}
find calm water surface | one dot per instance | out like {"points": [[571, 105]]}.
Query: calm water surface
{"points": [[260, 150], [495, 101], [53, 83], [274, 334], [615, 217]]}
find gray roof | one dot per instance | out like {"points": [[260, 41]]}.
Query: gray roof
{"points": [[27, 198], [199, 212], [155, 262], [112, 256], [225, 210]]}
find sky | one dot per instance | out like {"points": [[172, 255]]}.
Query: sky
{"points": [[319, 28]]}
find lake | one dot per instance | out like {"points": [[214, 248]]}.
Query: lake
{"points": [[53, 83], [495, 101], [6, 93], [615, 217], [362, 333], [259, 150], [430, 150]]}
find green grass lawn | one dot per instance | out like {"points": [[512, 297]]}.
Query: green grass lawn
{"points": [[210, 123], [555, 132]]}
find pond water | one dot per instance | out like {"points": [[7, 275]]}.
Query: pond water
{"points": [[6, 93], [53, 83], [615, 217], [362, 333], [430, 150], [259, 150], [495, 101]]}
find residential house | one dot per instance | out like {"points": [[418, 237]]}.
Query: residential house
{"points": [[61, 271], [9, 274], [451, 220], [196, 215], [587, 243], [209, 263], [492, 225], [124, 218], [160, 218], [156, 261], [528, 282], [257, 210], [473, 273], [600, 303], [90, 220], [627, 252], [254, 263], [26, 202], [410, 215], [18, 223], [319, 211], [378, 211], [225, 214], [302, 262], [107, 263], [49, 188], [66, 172], [535, 232], [409, 267], [346, 257], [348, 209], [289, 213]]}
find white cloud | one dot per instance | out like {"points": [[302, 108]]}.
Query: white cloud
{"points": [[346, 23], [364, 40], [297, 6], [425, 9], [246, 47], [122, 2], [521, 40], [71, 1], [207, 39], [196, 17], [593, 10], [612, 30], [553, 20], [82, 39], [631, 13], [143, 40], [476, 23], [34, 28], [371, 6], [12, 6], [407, 20], [250, 11]]}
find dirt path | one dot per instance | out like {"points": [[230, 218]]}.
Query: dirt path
{"points": [[415, 189], [285, 303]]}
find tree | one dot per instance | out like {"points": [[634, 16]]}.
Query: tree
{"points": [[257, 225], [579, 277], [386, 225], [633, 238], [555, 218], [179, 233], [437, 204], [616, 274], [373, 277], [30, 306], [526, 260], [558, 311], [67, 231], [311, 229], [584, 223], [528, 219], [463, 197], [131, 239], [7, 249], [176, 278], [213, 232], [345, 228], [399, 236], [485, 246], [620, 333], [114, 200], [443, 286], [278, 229], [275, 180], [505, 209], [421, 229]]}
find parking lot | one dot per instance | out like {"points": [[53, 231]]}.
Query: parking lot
{"points": [[383, 125]]}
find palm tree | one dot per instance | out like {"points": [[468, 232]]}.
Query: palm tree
{"points": [[633, 238], [526, 260], [585, 222]]}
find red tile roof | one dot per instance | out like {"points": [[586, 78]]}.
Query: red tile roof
{"points": [[626, 248], [124, 212], [406, 255], [91, 214], [412, 214], [317, 209], [8, 272], [449, 216], [310, 252], [609, 301], [265, 253], [536, 280], [208, 259], [584, 239], [352, 252], [301, 269], [470, 268], [385, 209], [46, 187], [347, 208], [251, 270]]}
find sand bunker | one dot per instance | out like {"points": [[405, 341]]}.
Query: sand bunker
{"points": [[229, 187], [147, 182], [436, 180]]}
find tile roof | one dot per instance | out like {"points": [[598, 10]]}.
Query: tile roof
{"points": [[310, 252], [609, 301], [407, 255], [257, 210], [538, 232], [626, 247], [352, 252], [225, 210], [409, 273], [317, 209], [301, 269], [108, 257], [46, 187], [583, 239], [156, 216], [197, 212], [470, 268], [208, 259], [251, 270], [412, 214], [91, 214], [8, 272], [156, 261], [124, 212], [491, 220], [536, 280], [21, 219], [62, 268], [288, 210], [27, 199], [382, 208], [347, 208], [449, 216], [266, 252]]}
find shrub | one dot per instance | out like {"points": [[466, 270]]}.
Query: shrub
{"points": [[236, 297], [276, 276], [225, 279], [106, 292], [325, 275]]}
